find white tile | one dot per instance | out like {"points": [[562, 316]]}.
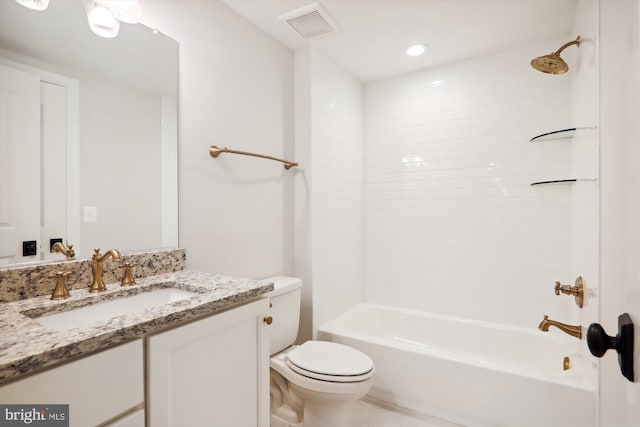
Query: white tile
{"points": [[375, 413]]}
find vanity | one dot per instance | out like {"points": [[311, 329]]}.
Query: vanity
{"points": [[186, 348]]}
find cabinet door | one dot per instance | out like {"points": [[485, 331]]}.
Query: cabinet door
{"points": [[135, 419], [96, 388], [212, 372]]}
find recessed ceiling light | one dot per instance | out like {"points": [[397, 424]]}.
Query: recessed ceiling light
{"points": [[416, 49]]}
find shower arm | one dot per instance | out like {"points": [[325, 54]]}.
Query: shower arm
{"points": [[566, 45]]}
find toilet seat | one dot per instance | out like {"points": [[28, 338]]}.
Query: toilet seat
{"points": [[330, 361], [280, 365]]}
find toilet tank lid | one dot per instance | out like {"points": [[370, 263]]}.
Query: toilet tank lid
{"points": [[282, 284]]}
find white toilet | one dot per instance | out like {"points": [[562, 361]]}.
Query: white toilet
{"points": [[311, 383]]}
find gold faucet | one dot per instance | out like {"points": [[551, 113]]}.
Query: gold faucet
{"points": [[67, 251], [96, 268], [60, 291], [574, 331]]}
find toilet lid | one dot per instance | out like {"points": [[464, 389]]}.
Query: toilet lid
{"points": [[330, 361]]}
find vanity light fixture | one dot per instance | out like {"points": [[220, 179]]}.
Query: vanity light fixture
{"points": [[34, 4], [127, 11], [104, 16], [416, 49], [101, 20]]}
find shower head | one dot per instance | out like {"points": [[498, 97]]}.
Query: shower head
{"points": [[552, 63]]}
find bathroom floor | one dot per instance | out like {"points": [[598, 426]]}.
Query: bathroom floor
{"points": [[369, 412]]}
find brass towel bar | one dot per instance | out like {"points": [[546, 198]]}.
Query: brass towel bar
{"points": [[216, 151]]}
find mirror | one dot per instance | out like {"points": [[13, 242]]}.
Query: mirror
{"points": [[102, 168]]}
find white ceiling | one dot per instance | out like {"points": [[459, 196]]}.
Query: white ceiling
{"points": [[375, 33], [60, 36]]}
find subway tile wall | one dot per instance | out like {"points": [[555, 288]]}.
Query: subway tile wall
{"points": [[451, 222], [337, 207]]}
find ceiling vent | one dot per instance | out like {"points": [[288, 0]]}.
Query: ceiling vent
{"points": [[311, 21]]}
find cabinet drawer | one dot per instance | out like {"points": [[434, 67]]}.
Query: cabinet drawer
{"points": [[96, 388]]}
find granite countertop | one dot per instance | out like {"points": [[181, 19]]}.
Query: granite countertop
{"points": [[27, 346]]}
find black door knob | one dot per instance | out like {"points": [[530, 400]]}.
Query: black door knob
{"points": [[599, 342]]}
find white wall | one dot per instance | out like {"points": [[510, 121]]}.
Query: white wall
{"points": [[118, 127], [452, 224], [236, 90]]}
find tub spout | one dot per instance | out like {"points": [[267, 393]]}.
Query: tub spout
{"points": [[574, 331]]}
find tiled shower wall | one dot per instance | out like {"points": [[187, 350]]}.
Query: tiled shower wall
{"points": [[451, 222], [336, 150]]}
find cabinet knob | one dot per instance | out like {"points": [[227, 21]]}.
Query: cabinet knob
{"points": [[268, 320]]}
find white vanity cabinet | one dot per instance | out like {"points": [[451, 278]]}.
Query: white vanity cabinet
{"points": [[98, 389], [211, 372]]}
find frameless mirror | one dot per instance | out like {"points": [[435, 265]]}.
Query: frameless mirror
{"points": [[88, 135]]}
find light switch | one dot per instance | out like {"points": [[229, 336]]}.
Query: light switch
{"points": [[90, 214]]}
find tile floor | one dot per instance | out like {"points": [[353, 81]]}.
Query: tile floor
{"points": [[369, 412]]}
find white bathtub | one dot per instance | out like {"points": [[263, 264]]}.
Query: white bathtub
{"points": [[471, 372]]}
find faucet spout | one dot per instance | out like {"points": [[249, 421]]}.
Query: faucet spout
{"points": [[67, 251], [97, 269], [113, 253], [574, 331]]}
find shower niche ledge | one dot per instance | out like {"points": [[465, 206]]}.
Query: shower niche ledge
{"points": [[567, 133]]}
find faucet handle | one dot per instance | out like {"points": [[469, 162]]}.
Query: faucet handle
{"points": [[577, 291], [60, 291], [128, 279]]}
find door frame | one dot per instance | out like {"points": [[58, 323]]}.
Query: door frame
{"points": [[619, 399]]}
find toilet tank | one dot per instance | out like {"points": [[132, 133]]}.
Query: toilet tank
{"points": [[285, 311]]}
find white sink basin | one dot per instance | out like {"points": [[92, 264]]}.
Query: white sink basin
{"points": [[88, 315]]}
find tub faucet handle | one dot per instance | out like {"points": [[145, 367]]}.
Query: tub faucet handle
{"points": [[577, 291]]}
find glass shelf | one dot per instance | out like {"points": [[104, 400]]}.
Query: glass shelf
{"points": [[559, 134], [563, 181]]}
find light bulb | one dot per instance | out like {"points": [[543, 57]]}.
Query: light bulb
{"points": [[128, 11], [34, 4], [102, 22]]}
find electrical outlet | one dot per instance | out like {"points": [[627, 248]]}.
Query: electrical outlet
{"points": [[53, 242], [90, 214], [29, 248]]}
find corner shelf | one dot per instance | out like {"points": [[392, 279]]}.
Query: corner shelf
{"points": [[563, 181], [560, 134], [567, 133]]}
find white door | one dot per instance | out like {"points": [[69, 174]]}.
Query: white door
{"points": [[19, 163], [619, 201], [54, 167]]}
